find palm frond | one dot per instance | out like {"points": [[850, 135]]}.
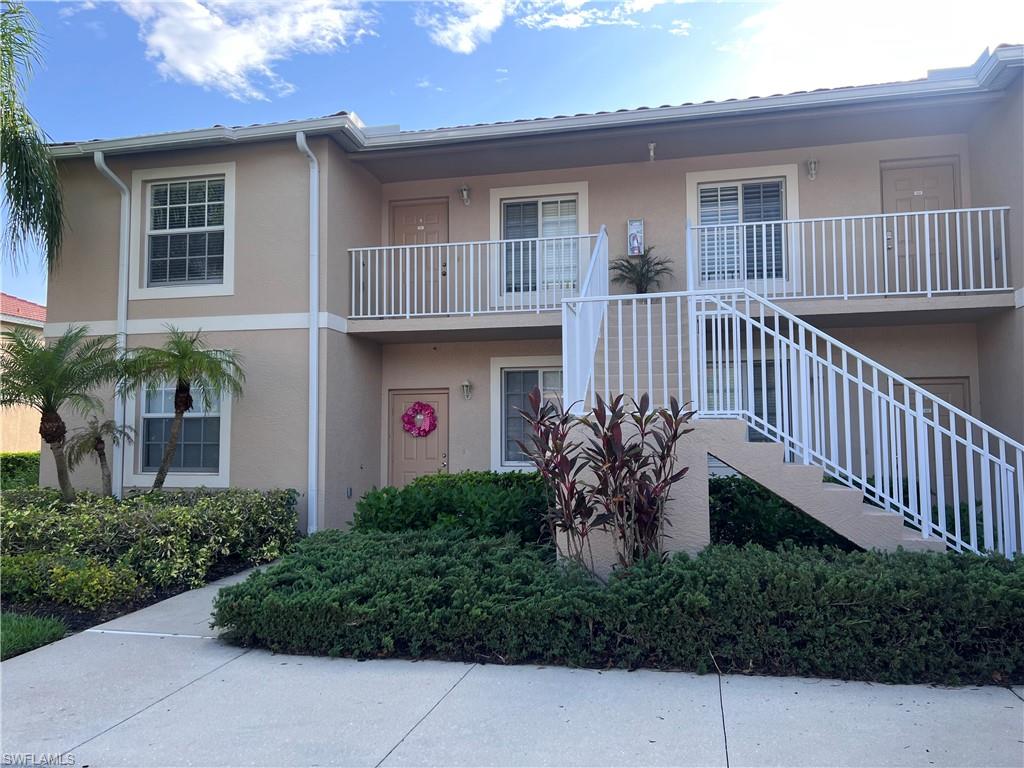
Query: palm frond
{"points": [[82, 442], [643, 272], [33, 202], [62, 372], [184, 358]]}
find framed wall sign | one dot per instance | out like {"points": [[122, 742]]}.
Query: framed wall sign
{"points": [[634, 236]]}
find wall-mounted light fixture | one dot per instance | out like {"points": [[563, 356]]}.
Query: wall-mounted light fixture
{"points": [[467, 389], [651, 146], [464, 194], [812, 169]]}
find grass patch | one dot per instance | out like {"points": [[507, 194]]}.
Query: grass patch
{"points": [[20, 633], [899, 617]]}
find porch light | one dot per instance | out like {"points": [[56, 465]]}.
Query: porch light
{"points": [[812, 169], [467, 389], [464, 196]]}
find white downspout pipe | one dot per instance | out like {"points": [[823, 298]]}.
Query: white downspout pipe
{"points": [[313, 449], [122, 308]]}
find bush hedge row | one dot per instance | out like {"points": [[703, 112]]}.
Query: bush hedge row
{"points": [[899, 618], [744, 512], [99, 550], [483, 503], [19, 470]]}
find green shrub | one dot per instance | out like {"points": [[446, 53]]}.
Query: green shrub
{"points": [[902, 617], [168, 539], [20, 633], [19, 470], [483, 503], [745, 512], [79, 582]]}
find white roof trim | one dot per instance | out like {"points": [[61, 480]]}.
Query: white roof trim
{"points": [[16, 320], [985, 74]]}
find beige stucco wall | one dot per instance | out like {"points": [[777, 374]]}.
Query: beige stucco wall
{"points": [[922, 351], [446, 366], [996, 144], [271, 236], [19, 427], [848, 182]]}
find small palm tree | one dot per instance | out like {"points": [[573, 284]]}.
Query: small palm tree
{"points": [[49, 377], [33, 204], [92, 439], [643, 272], [186, 361]]}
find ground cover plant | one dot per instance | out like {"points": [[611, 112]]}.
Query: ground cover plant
{"points": [[19, 470], [98, 556], [897, 617]]}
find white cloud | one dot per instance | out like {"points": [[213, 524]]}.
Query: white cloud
{"points": [[680, 28], [69, 9], [797, 45], [424, 82], [233, 46], [462, 25]]}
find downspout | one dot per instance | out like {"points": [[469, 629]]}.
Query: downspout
{"points": [[122, 309], [313, 448]]}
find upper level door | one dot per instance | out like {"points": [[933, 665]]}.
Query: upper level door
{"points": [[422, 222], [910, 240]]}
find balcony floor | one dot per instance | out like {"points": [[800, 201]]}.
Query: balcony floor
{"points": [[546, 324]]}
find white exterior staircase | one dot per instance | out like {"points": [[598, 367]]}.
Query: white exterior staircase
{"points": [[916, 471]]}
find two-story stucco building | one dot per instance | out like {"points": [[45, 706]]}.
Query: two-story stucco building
{"points": [[848, 281]]}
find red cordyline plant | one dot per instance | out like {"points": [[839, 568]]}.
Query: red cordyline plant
{"points": [[632, 455], [559, 461], [619, 478]]}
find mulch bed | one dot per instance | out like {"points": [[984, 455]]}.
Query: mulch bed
{"points": [[77, 619]]}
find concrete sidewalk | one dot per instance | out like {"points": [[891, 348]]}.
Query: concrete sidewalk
{"points": [[155, 688]]}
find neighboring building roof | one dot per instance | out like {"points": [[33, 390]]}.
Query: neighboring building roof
{"points": [[990, 72], [15, 310]]}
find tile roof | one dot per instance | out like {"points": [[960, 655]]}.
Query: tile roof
{"points": [[12, 306]]}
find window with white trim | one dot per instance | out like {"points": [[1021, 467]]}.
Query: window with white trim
{"points": [[738, 238], [558, 260], [199, 445], [516, 386], [185, 231]]}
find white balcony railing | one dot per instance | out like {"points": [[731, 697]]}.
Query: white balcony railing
{"points": [[401, 281], [891, 254]]}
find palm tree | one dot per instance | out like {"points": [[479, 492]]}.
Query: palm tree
{"points": [[33, 204], [92, 439], [48, 377], [186, 361]]}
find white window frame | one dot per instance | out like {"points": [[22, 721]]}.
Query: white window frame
{"points": [[138, 287], [498, 365], [789, 173], [539, 193], [135, 475]]}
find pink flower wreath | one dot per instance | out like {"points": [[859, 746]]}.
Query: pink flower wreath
{"points": [[419, 419]]}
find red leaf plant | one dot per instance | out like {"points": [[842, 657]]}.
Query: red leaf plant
{"points": [[618, 478]]}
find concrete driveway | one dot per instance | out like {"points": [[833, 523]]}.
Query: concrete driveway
{"points": [[155, 688]]}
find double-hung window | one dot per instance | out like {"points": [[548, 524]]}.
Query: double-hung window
{"points": [[740, 236], [185, 231], [549, 264], [516, 385], [199, 442]]}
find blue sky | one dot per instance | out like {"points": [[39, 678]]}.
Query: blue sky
{"points": [[124, 68]]}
